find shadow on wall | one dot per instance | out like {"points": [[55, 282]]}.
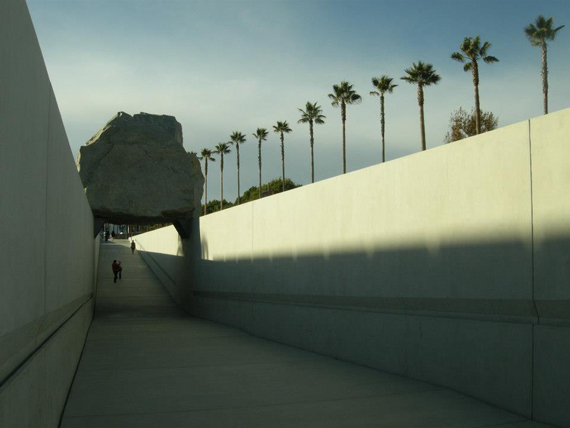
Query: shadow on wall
{"points": [[474, 281], [461, 316]]}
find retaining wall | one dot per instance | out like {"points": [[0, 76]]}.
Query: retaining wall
{"points": [[450, 266], [48, 256]]}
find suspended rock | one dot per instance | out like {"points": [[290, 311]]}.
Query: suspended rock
{"points": [[136, 171]]}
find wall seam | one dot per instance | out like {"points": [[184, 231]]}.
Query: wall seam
{"points": [[41, 346], [46, 201], [251, 252], [74, 374], [532, 274]]}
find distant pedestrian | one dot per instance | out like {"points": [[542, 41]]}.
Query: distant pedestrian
{"points": [[113, 235], [117, 269], [133, 246], [106, 236]]}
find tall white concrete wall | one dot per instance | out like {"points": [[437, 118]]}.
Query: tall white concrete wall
{"points": [[47, 251], [550, 137], [450, 266]]}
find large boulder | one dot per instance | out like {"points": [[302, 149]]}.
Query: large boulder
{"points": [[136, 171]]}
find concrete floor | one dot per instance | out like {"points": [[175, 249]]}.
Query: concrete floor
{"points": [[147, 363]]}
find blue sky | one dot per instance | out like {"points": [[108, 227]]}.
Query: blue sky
{"points": [[222, 66]]}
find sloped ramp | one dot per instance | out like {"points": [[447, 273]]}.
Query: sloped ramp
{"points": [[147, 363]]}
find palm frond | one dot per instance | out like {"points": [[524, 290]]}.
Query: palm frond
{"points": [[467, 46], [541, 30], [261, 134], [354, 98], [457, 57], [311, 112], [206, 154], [421, 74], [335, 101], [383, 84], [223, 148], [483, 51], [474, 51], [282, 127], [556, 31], [237, 138], [344, 93]]}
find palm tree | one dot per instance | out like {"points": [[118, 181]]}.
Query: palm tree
{"points": [[383, 84], [312, 114], [206, 156], [342, 96], [261, 135], [472, 52], [237, 138], [421, 74], [538, 33], [282, 128], [222, 149]]}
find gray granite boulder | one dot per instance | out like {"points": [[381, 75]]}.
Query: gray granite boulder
{"points": [[136, 171]]}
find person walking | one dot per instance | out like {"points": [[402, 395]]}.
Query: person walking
{"points": [[133, 246], [117, 269]]}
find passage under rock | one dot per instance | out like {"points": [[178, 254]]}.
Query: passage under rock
{"points": [[135, 171]]}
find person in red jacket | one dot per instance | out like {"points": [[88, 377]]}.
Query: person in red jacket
{"points": [[117, 269]]}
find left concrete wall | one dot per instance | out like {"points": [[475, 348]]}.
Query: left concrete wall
{"points": [[48, 256]]}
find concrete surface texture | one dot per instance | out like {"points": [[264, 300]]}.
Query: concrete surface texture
{"points": [[47, 255], [450, 266], [147, 363]]}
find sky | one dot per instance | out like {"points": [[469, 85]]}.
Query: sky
{"points": [[236, 65]]}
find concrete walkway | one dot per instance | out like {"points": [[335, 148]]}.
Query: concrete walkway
{"points": [[147, 363]]}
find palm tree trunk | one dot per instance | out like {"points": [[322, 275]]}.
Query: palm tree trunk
{"points": [[422, 124], [477, 106], [283, 159], [259, 161], [312, 155], [382, 124], [206, 189], [221, 182], [237, 148], [343, 114], [545, 78]]}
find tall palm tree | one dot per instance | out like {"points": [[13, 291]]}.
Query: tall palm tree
{"points": [[260, 135], [206, 156], [222, 149], [237, 138], [473, 51], [342, 96], [282, 128], [312, 114], [383, 85], [538, 33], [421, 74]]}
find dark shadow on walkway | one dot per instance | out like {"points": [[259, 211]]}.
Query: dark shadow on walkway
{"points": [[148, 364]]}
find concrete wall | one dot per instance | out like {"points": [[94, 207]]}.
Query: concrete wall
{"points": [[550, 137], [47, 251], [451, 266]]}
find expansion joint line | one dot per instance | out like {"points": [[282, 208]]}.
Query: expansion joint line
{"points": [[50, 94], [532, 275]]}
